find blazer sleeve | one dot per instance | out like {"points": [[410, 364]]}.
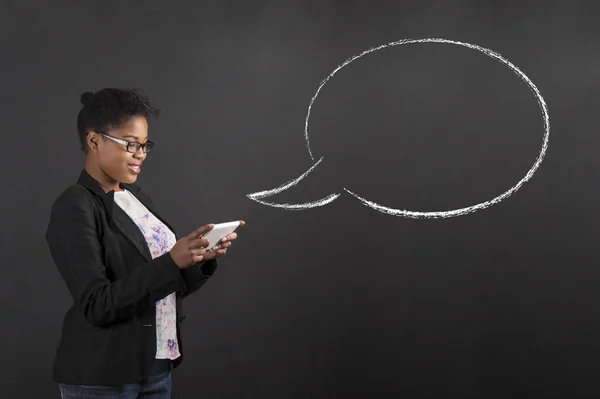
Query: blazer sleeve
{"points": [[196, 276], [75, 246]]}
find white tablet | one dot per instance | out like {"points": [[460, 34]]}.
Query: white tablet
{"points": [[219, 231]]}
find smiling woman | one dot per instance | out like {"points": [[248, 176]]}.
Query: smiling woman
{"points": [[121, 261], [115, 157]]}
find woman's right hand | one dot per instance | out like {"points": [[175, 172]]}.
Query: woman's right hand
{"points": [[191, 249]]}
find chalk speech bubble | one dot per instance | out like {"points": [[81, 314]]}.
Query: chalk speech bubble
{"points": [[257, 196]]}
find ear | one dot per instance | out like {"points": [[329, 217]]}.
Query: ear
{"points": [[92, 140]]}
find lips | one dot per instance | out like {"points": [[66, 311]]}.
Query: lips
{"points": [[135, 168]]}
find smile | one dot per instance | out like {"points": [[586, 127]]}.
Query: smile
{"points": [[135, 168]]}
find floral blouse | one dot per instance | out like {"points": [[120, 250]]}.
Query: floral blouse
{"points": [[160, 240]]}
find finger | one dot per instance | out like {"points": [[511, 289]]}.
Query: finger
{"points": [[221, 246], [216, 254], [209, 256], [201, 230], [199, 251], [197, 258], [198, 243], [230, 237]]}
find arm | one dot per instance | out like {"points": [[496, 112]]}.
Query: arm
{"points": [[77, 251], [195, 276]]}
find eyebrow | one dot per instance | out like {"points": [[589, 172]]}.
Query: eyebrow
{"points": [[133, 137]]}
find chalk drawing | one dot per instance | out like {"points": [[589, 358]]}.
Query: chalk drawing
{"points": [[262, 194], [402, 212]]}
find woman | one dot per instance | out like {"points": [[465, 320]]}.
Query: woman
{"points": [[121, 261]]}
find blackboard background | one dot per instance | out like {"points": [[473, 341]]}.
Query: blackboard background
{"points": [[338, 301]]}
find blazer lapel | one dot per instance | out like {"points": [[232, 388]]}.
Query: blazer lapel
{"points": [[131, 230], [117, 215]]}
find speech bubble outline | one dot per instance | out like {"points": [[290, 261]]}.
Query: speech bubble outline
{"points": [[402, 212]]}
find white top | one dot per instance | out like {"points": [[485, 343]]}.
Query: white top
{"points": [[160, 240]]}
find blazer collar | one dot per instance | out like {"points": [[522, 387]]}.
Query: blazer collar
{"points": [[117, 215], [86, 180]]}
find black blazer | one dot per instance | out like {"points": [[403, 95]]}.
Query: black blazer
{"points": [[109, 333]]}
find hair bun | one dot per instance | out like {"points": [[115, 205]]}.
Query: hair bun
{"points": [[86, 97]]}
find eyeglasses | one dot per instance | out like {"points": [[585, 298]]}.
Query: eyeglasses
{"points": [[131, 146]]}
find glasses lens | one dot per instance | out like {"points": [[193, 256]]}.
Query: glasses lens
{"points": [[133, 147], [148, 146]]}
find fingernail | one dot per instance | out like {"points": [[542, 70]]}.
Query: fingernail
{"points": [[215, 247]]}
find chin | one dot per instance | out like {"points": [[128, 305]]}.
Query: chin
{"points": [[129, 179]]}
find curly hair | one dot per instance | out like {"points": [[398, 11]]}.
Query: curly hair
{"points": [[109, 108]]}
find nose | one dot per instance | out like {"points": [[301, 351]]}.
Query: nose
{"points": [[139, 154]]}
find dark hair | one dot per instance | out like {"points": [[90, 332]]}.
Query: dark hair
{"points": [[108, 109]]}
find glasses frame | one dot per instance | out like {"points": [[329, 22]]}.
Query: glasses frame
{"points": [[129, 144]]}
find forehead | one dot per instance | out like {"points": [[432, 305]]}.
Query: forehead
{"points": [[135, 128]]}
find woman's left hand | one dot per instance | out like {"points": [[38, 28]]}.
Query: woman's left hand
{"points": [[221, 248]]}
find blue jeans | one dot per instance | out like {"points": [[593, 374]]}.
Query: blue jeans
{"points": [[155, 387]]}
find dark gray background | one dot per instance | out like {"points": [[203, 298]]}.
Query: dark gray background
{"points": [[341, 300]]}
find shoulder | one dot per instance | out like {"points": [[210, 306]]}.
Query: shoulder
{"points": [[75, 196], [74, 208], [76, 192]]}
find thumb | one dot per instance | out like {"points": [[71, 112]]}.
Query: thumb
{"points": [[199, 231]]}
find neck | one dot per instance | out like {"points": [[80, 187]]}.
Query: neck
{"points": [[106, 182]]}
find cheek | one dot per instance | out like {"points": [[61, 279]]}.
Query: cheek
{"points": [[114, 161]]}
